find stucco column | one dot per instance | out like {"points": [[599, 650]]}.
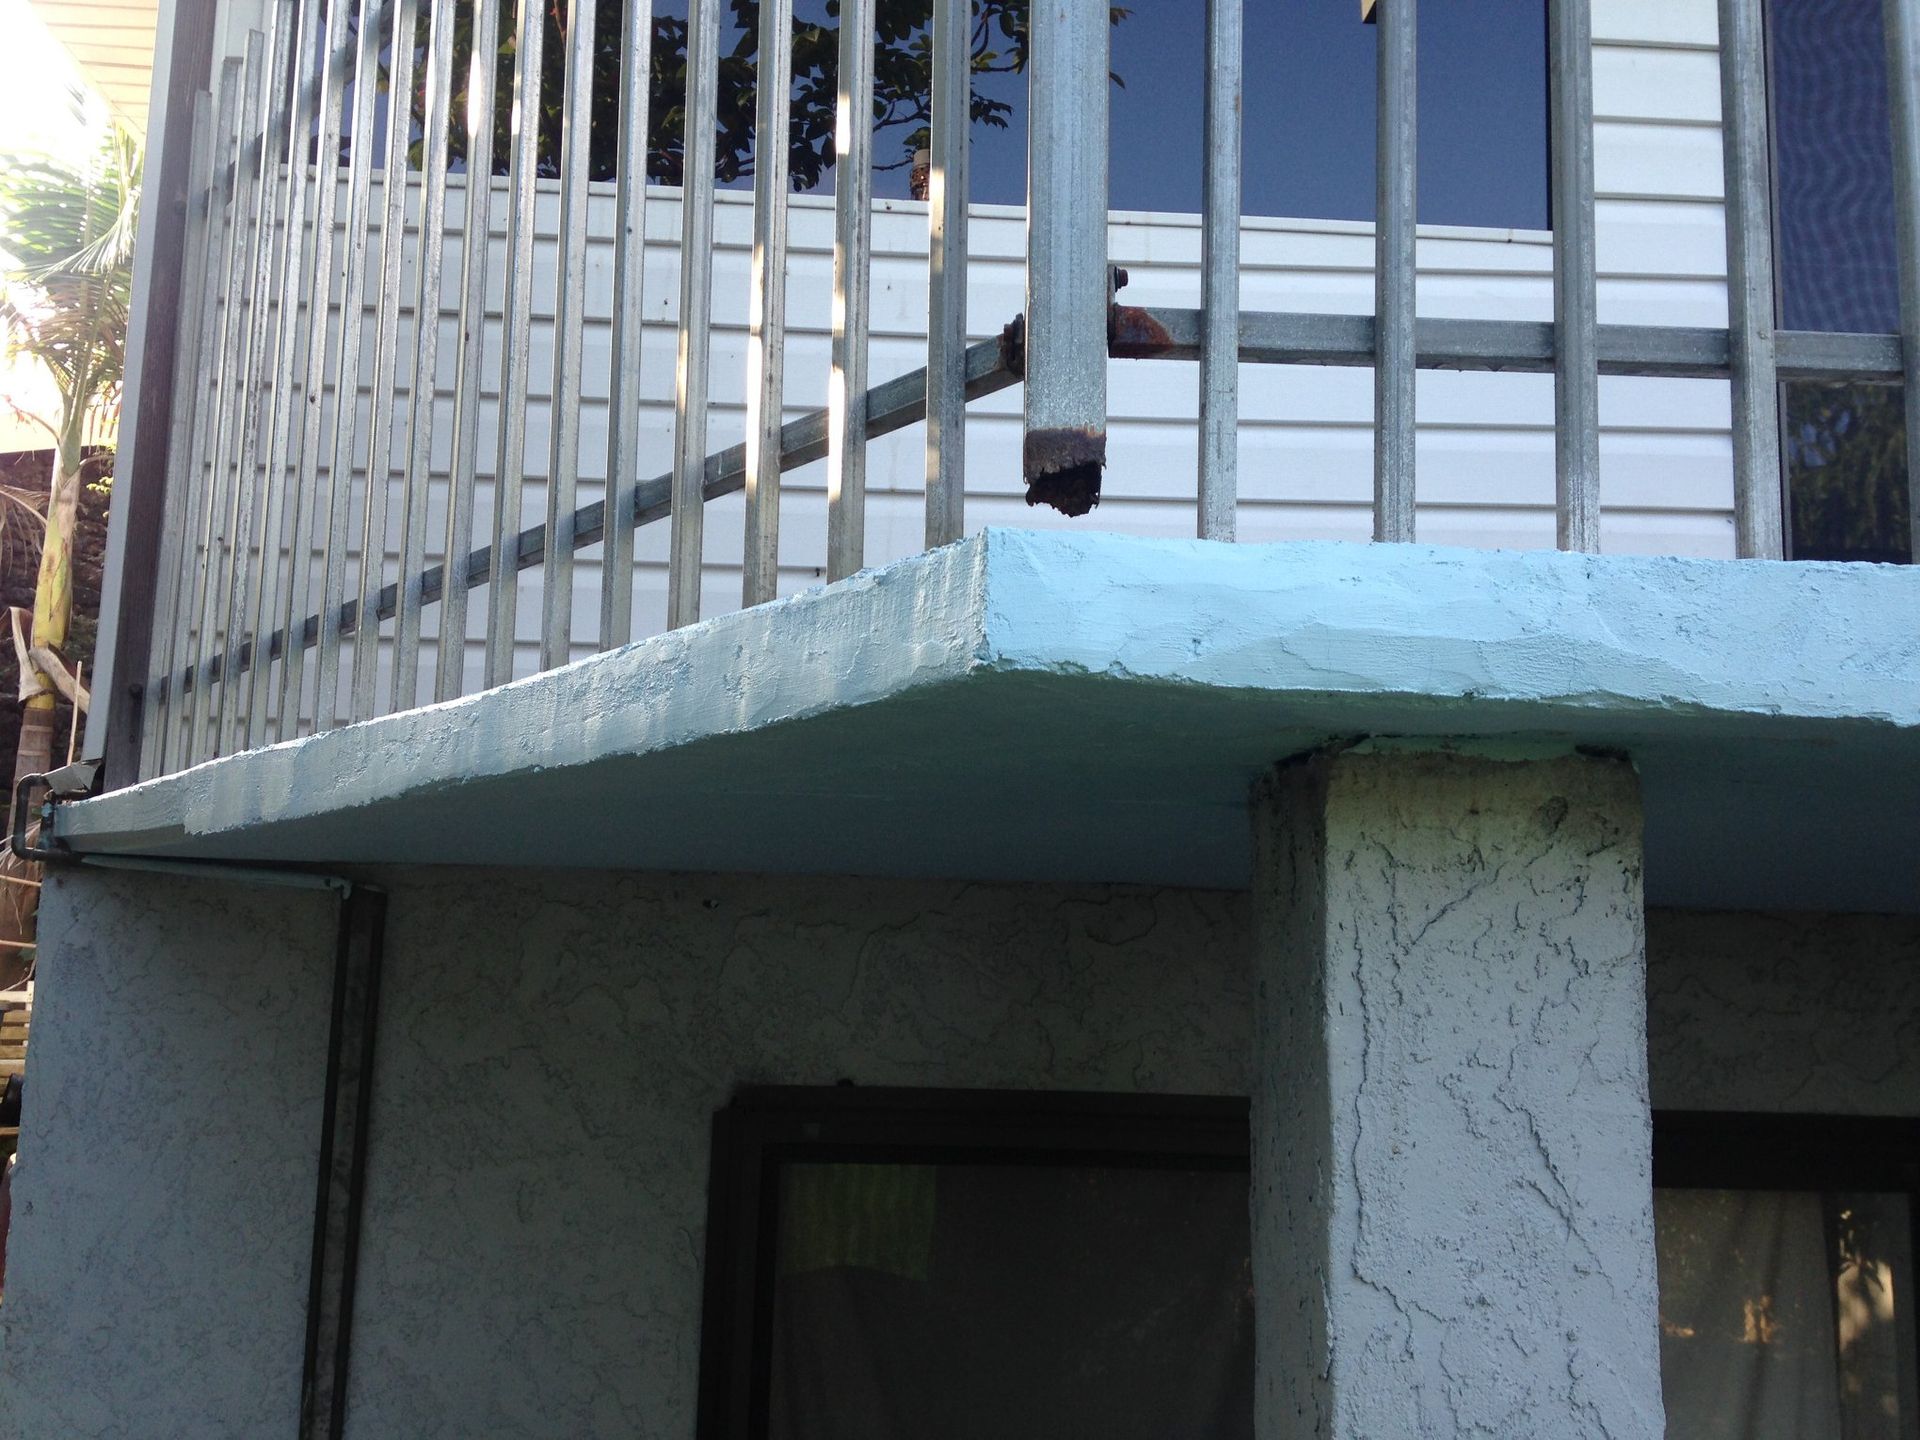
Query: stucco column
{"points": [[1452, 1203]]}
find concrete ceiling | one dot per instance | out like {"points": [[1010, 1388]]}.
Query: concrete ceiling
{"points": [[1032, 706]]}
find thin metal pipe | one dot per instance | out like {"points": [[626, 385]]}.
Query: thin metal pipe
{"points": [[240, 80], [629, 271], [346, 370], [852, 265], [948, 189], [296, 281], [767, 305], [165, 697], [1903, 94], [1064, 448], [510, 464], [1220, 274], [569, 325], [1576, 305], [1396, 158], [696, 308], [267, 236], [450, 666], [1757, 519], [306, 484], [381, 421], [416, 479]]}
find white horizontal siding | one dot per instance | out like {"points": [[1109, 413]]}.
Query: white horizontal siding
{"points": [[1485, 442]]}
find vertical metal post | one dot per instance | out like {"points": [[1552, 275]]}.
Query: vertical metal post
{"points": [[345, 1118], [947, 194], [1396, 162], [1220, 275], [852, 259], [767, 305], [688, 517], [346, 370], [296, 282], [475, 240], [509, 471], [1759, 532], [1065, 447], [236, 77], [1903, 94], [629, 272], [381, 407], [268, 127], [306, 483], [166, 697], [569, 325], [191, 641], [422, 389], [1575, 295]]}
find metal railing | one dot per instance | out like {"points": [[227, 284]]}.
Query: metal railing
{"points": [[269, 550]]}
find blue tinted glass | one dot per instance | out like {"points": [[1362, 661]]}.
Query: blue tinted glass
{"points": [[1833, 166]]}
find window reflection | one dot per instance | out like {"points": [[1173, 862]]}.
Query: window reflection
{"points": [[1843, 445], [1786, 1315]]}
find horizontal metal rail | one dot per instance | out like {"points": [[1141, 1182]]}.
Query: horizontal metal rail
{"points": [[1514, 346], [990, 367]]}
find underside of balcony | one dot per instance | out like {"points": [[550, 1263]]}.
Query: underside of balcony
{"points": [[1024, 705]]}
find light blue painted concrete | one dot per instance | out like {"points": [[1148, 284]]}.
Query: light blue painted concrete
{"points": [[1095, 707]]}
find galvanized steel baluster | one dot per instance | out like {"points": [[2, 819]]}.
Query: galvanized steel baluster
{"points": [[247, 651], [306, 486], [947, 192], [509, 471], [1065, 446], [1396, 159], [239, 89], [416, 478], [852, 247], [296, 282], [696, 310], [475, 240], [1220, 274], [767, 302], [569, 325], [1576, 319], [1757, 519], [346, 371], [386, 358], [166, 697], [629, 269]]}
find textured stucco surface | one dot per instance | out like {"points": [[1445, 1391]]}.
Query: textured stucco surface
{"points": [[1818, 1014], [163, 1202], [553, 1048], [1451, 1122], [1094, 707]]}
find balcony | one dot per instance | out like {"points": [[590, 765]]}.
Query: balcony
{"points": [[643, 405]]}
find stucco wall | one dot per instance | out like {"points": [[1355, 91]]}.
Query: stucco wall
{"points": [[552, 1048], [163, 1202], [1807, 1013]]}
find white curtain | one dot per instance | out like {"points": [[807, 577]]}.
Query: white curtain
{"points": [[1785, 1315]]}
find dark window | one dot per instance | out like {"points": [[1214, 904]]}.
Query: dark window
{"points": [[1843, 444], [1786, 1250], [966, 1265]]}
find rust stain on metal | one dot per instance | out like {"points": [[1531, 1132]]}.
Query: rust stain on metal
{"points": [[1013, 347], [1063, 468], [1134, 334]]}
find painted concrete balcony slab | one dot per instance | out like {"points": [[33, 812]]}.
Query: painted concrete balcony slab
{"points": [[1027, 705]]}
